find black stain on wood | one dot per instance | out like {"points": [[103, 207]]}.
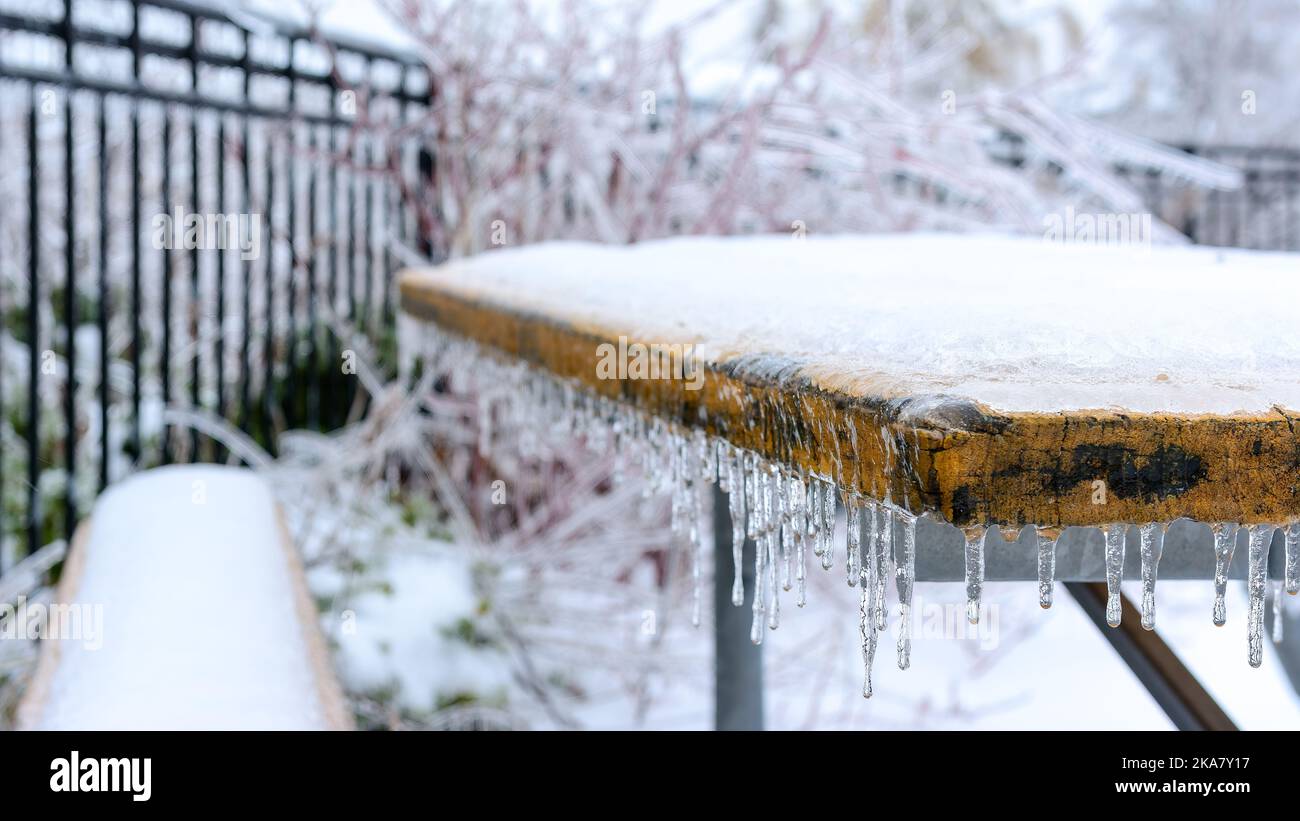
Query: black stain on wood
{"points": [[963, 505], [1130, 475]]}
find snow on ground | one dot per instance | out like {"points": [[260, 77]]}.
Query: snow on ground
{"points": [[185, 574], [1020, 324], [412, 635]]}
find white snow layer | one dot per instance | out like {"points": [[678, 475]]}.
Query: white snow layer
{"points": [[1016, 323], [198, 622]]}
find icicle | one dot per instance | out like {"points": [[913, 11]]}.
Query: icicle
{"points": [[767, 543], [707, 455], [772, 534], [787, 557], [695, 501], [736, 500], [1292, 535], [1279, 616], [866, 549], [975, 537], [724, 456], [1115, 537], [866, 615], [1256, 584], [1225, 542], [853, 517], [1150, 564], [814, 504], [799, 493], [828, 525], [774, 601], [904, 571], [785, 527], [767, 499], [884, 547], [752, 504], [1046, 565]]}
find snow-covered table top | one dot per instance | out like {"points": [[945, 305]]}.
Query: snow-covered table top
{"points": [[1001, 375]]}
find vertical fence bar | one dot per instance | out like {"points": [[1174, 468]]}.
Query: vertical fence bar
{"points": [[70, 309], [268, 345], [246, 306], [103, 292], [291, 234], [368, 288], [221, 251], [292, 386], [313, 366], [344, 158], [392, 233], [326, 377], [165, 365], [136, 230], [356, 176], [196, 197], [195, 297], [245, 412], [136, 307], [33, 326]]}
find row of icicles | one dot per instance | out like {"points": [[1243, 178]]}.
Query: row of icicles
{"points": [[787, 514], [790, 513]]}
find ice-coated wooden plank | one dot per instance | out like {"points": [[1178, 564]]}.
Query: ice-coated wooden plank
{"points": [[987, 379]]}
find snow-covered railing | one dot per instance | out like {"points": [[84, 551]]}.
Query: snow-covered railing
{"points": [[199, 203], [183, 605], [975, 381]]}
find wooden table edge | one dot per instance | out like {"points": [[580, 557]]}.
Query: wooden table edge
{"points": [[952, 457]]}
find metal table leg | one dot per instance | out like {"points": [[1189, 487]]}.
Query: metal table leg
{"points": [[1170, 683], [738, 663]]}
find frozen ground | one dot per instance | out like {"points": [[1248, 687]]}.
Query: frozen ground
{"points": [[187, 582], [1020, 324]]}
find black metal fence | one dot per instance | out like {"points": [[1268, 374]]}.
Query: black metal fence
{"points": [[1263, 214], [194, 213]]}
